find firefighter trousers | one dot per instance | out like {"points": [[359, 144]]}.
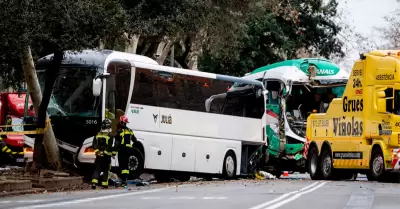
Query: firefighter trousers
{"points": [[103, 165], [123, 161]]}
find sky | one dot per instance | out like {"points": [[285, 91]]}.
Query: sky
{"points": [[364, 15]]}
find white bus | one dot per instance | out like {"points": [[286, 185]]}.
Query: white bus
{"points": [[166, 108]]}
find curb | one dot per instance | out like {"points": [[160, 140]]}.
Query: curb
{"points": [[47, 183], [15, 185], [23, 192]]}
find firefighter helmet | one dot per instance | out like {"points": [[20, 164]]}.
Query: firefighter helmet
{"points": [[106, 124], [124, 119]]}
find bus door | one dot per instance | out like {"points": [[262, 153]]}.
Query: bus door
{"points": [[117, 91]]}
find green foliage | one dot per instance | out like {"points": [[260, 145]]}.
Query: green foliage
{"points": [[277, 34], [51, 25], [237, 35]]}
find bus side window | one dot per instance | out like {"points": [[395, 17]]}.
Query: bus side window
{"points": [[144, 91], [232, 106], [216, 105], [167, 91]]}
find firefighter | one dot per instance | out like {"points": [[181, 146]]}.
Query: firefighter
{"points": [[102, 144], [123, 145]]}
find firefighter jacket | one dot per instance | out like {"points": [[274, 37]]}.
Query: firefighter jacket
{"points": [[103, 144], [124, 138]]}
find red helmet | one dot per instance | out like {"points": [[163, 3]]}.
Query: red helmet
{"points": [[124, 119]]}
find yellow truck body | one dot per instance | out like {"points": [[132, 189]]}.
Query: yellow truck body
{"points": [[359, 132]]}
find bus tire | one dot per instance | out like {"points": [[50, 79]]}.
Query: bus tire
{"points": [[376, 166], [136, 164], [229, 166], [327, 169], [314, 168]]}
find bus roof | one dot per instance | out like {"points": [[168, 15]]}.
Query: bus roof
{"points": [[95, 58], [101, 58], [198, 73], [297, 70]]}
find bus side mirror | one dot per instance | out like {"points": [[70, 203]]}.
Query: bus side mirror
{"points": [[97, 84]]}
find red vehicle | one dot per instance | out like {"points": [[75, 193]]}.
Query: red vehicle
{"points": [[12, 112]]}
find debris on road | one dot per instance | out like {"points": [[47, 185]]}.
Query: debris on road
{"points": [[116, 181], [262, 175]]}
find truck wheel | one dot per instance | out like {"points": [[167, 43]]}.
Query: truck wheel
{"points": [[376, 166], [229, 167], [135, 164], [327, 165], [313, 165]]}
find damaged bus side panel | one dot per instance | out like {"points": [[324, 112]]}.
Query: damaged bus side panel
{"points": [[295, 88]]}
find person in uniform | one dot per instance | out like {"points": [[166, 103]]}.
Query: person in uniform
{"points": [[103, 145], [123, 144]]}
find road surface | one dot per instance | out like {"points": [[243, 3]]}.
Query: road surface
{"points": [[241, 194]]}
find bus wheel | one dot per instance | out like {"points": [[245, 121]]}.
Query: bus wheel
{"points": [[313, 165], [229, 167], [327, 165], [376, 166], [136, 164]]}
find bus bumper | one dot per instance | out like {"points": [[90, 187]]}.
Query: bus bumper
{"points": [[86, 155]]}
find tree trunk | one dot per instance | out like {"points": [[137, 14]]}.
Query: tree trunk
{"points": [[101, 44], [50, 143], [163, 50], [196, 49], [146, 48], [131, 43]]}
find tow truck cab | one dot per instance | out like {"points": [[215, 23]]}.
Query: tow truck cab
{"points": [[360, 132], [12, 109]]}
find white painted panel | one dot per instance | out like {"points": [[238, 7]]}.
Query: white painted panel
{"points": [[200, 124], [153, 143], [143, 118], [216, 149], [198, 132], [183, 145]]}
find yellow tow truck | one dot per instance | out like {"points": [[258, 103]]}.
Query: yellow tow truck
{"points": [[360, 132]]}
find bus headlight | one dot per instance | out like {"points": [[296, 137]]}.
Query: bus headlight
{"points": [[89, 150], [28, 149]]}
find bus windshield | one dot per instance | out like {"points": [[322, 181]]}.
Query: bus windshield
{"points": [[72, 93]]}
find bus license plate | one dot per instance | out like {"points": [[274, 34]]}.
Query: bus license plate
{"points": [[20, 160]]}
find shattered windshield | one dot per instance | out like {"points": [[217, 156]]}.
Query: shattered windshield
{"points": [[72, 92]]}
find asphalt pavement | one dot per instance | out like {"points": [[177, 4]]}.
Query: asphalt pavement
{"points": [[294, 192]]}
